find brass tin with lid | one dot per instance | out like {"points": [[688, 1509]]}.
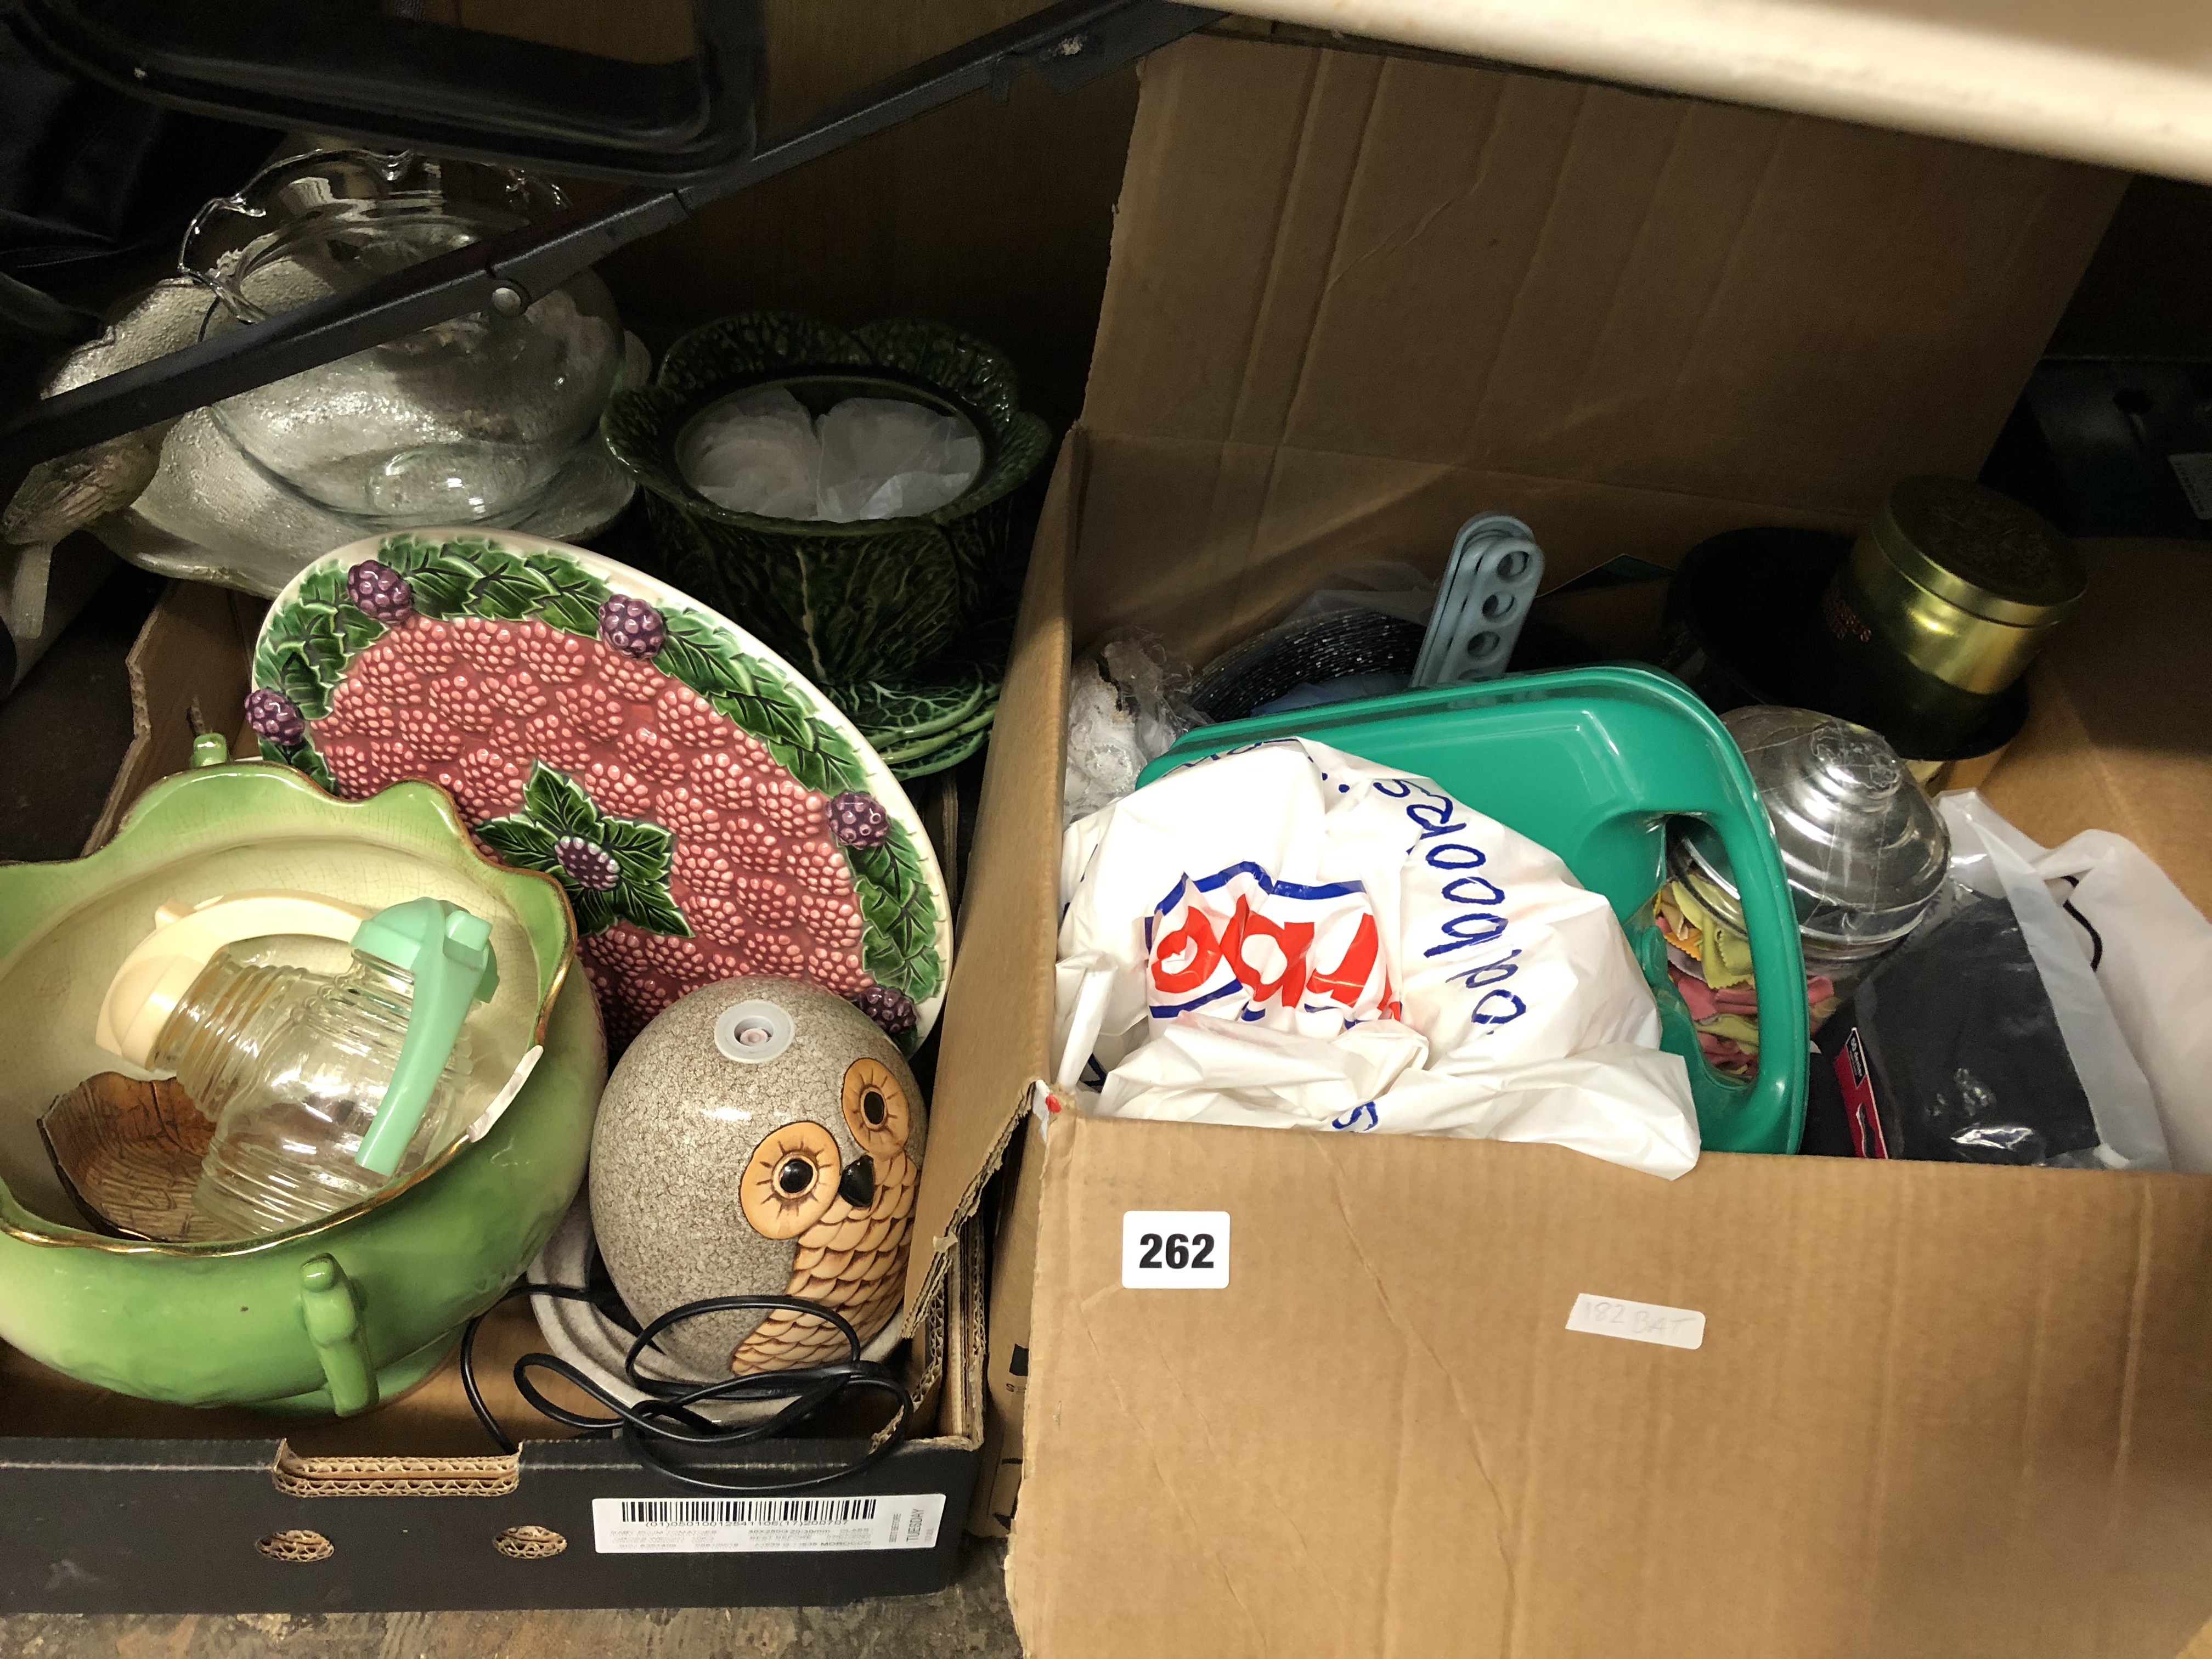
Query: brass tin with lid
{"points": [[1965, 583]]}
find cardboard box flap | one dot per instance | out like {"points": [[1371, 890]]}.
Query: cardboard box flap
{"points": [[1936, 1409], [995, 1029], [2127, 83], [1371, 269], [188, 674], [2108, 746]]}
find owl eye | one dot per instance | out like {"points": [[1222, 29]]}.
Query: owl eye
{"points": [[790, 1180], [876, 1108]]}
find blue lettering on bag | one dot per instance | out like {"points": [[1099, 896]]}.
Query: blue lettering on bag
{"points": [[1500, 1018], [1490, 973], [1492, 893], [1456, 937], [1475, 859]]}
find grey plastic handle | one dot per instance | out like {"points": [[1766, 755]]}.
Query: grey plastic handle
{"points": [[1488, 586]]}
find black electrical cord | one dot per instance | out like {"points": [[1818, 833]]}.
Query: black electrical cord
{"points": [[667, 1413]]}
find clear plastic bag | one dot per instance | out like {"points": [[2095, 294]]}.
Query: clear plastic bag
{"points": [[1996, 1034], [2131, 955], [1127, 701]]}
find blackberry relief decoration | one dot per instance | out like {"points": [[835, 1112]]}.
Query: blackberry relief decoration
{"points": [[708, 813]]}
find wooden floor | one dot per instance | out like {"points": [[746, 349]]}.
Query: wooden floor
{"points": [[968, 1620]]}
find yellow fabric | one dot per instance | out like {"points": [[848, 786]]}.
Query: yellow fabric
{"points": [[1724, 953], [1673, 926], [1740, 1027]]}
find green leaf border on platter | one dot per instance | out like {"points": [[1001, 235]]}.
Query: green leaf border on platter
{"points": [[311, 638]]}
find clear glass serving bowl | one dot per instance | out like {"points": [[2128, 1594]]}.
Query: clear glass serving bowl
{"points": [[466, 422]]}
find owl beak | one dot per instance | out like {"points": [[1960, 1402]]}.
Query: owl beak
{"points": [[858, 1188]]}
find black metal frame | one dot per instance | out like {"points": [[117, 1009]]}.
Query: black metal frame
{"points": [[1067, 44]]}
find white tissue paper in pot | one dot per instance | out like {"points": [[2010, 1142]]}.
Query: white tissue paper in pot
{"points": [[1288, 936], [868, 457], [755, 453], [884, 459]]}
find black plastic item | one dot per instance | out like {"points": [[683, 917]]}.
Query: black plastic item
{"points": [[1068, 45], [1743, 627], [94, 182], [666, 1418], [1950, 1052], [1308, 652], [121, 1525], [95, 188], [2108, 448], [387, 74]]}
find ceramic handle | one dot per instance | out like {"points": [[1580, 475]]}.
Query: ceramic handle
{"points": [[331, 1311]]}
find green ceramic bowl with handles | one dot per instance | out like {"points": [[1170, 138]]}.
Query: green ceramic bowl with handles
{"points": [[338, 1316]]}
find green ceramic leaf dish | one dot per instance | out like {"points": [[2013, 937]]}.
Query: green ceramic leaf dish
{"points": [[217, 1323], [974, 725], [940, 760], [708, 812], [890, 712], [846, 602]]}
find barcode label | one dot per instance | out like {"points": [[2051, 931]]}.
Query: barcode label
{"points": [[703, 1526]]}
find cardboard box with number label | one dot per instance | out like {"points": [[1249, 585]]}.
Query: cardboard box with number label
{"points": [[1436, 1396]]}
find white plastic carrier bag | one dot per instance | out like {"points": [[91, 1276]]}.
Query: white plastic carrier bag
{"points": [[1286, 935]]}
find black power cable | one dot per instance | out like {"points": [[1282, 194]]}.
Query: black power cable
{"points": [[667, 1413]]}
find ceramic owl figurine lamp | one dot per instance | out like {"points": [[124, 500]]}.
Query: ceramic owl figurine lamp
{"points": [[761, 1137]]}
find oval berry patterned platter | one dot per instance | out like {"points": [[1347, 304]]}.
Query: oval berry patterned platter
{"points": [[708, 812]]}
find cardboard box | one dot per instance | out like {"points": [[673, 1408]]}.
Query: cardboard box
{"points": [[1937, 1409], [113, 1505]]}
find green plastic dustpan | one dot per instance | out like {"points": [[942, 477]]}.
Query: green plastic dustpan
{"points": [[1591, 763]]}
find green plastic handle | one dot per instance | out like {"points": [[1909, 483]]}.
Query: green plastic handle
{"points": [[452, 965], [1590, 762], [333, 1316], [1772, 1109]]}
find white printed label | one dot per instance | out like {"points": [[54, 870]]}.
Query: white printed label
{"points": [[2194, 473], [748, 1526], [1174, 1249], [1638, 1322]]}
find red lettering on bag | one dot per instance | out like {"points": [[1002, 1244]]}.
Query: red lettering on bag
{"points": [[1348, 979], [1195, 935], [1292, 939]]}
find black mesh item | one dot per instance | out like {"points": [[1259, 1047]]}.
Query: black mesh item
{"points": [[1307, 653]]}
